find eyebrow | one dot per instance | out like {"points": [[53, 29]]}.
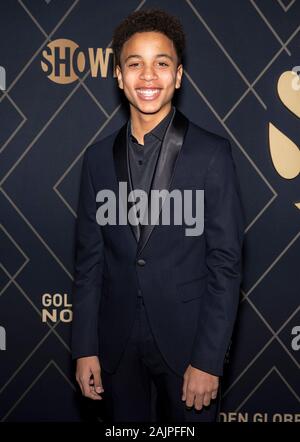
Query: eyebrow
{"points": [[157, 56]]}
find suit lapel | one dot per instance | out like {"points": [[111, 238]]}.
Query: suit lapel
{"points": [[165, 167], [121, 160], [164, 171]]}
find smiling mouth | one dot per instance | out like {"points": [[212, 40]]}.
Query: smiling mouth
{"points": [[148, 93]]}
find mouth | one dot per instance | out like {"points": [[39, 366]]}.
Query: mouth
{"points": [[148, 94]]}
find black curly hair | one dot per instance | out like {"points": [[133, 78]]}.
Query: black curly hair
{"points": [[146, 21]]}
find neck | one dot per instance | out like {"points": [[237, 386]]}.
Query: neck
{"points": [[144, 123]]}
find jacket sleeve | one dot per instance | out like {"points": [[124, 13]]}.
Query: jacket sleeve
{"points": [[224, 230], [88, 268]]}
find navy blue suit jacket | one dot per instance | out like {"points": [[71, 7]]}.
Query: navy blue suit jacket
{"points": [[190, 284]]}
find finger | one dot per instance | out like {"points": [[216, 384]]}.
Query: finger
{"points": [[207, 399], [91, 384], [199, 401], [97, 381], [85, 384], [87, 391], [94, 396], [184, 389], [214, 394], [190, 396], [92, 389]]}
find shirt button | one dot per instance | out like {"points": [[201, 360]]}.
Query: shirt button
{"points": [[141, 262], [140, 162]]}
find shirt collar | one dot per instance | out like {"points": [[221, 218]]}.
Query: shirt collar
{"points": [[159, 130]]}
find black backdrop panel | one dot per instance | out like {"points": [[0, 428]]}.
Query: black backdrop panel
{"points": [[236, 53]]}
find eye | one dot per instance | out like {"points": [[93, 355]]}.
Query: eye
{"points": [[133, 64], [163, 63]]}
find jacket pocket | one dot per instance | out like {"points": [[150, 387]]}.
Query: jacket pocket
{"points": [[191, 289]]}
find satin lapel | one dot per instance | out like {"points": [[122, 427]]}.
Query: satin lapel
{"points": [[121, 160], [165, 167]]}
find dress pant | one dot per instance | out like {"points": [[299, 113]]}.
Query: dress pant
{"points": [[128, 392]]}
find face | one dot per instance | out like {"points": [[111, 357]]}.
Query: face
{"points": [[149, 73]]}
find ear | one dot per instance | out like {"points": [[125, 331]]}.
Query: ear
{"points": [[119, 76], [179, 73]]}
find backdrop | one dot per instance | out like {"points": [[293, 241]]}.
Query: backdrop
{"points": [[58, 96]]}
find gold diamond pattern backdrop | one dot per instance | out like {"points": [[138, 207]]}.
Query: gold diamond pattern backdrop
{"points": [[237, 50]]}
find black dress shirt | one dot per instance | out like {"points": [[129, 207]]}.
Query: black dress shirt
{"points": [[143, 158]]}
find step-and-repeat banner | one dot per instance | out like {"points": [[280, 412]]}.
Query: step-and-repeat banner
{"points": [[59, 95]]}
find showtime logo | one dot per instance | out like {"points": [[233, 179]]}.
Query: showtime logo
{"points": [[285, 152], [64, 62]]}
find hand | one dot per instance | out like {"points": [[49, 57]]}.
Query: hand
{"points": [[199, 387], [88, 376]]}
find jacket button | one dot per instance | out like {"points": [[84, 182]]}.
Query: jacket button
{"points": [[141, 262]]}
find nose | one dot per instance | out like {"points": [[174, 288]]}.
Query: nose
{"points": [[148, 73]]}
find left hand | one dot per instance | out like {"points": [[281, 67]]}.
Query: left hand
{"points": [[199, 387]]}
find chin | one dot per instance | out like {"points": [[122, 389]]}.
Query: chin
{"points": [[149, 108]]}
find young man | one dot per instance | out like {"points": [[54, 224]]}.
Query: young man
{"points": [[152, 304]]}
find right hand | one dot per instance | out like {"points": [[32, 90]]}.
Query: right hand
{"points": [[88, 376]]}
